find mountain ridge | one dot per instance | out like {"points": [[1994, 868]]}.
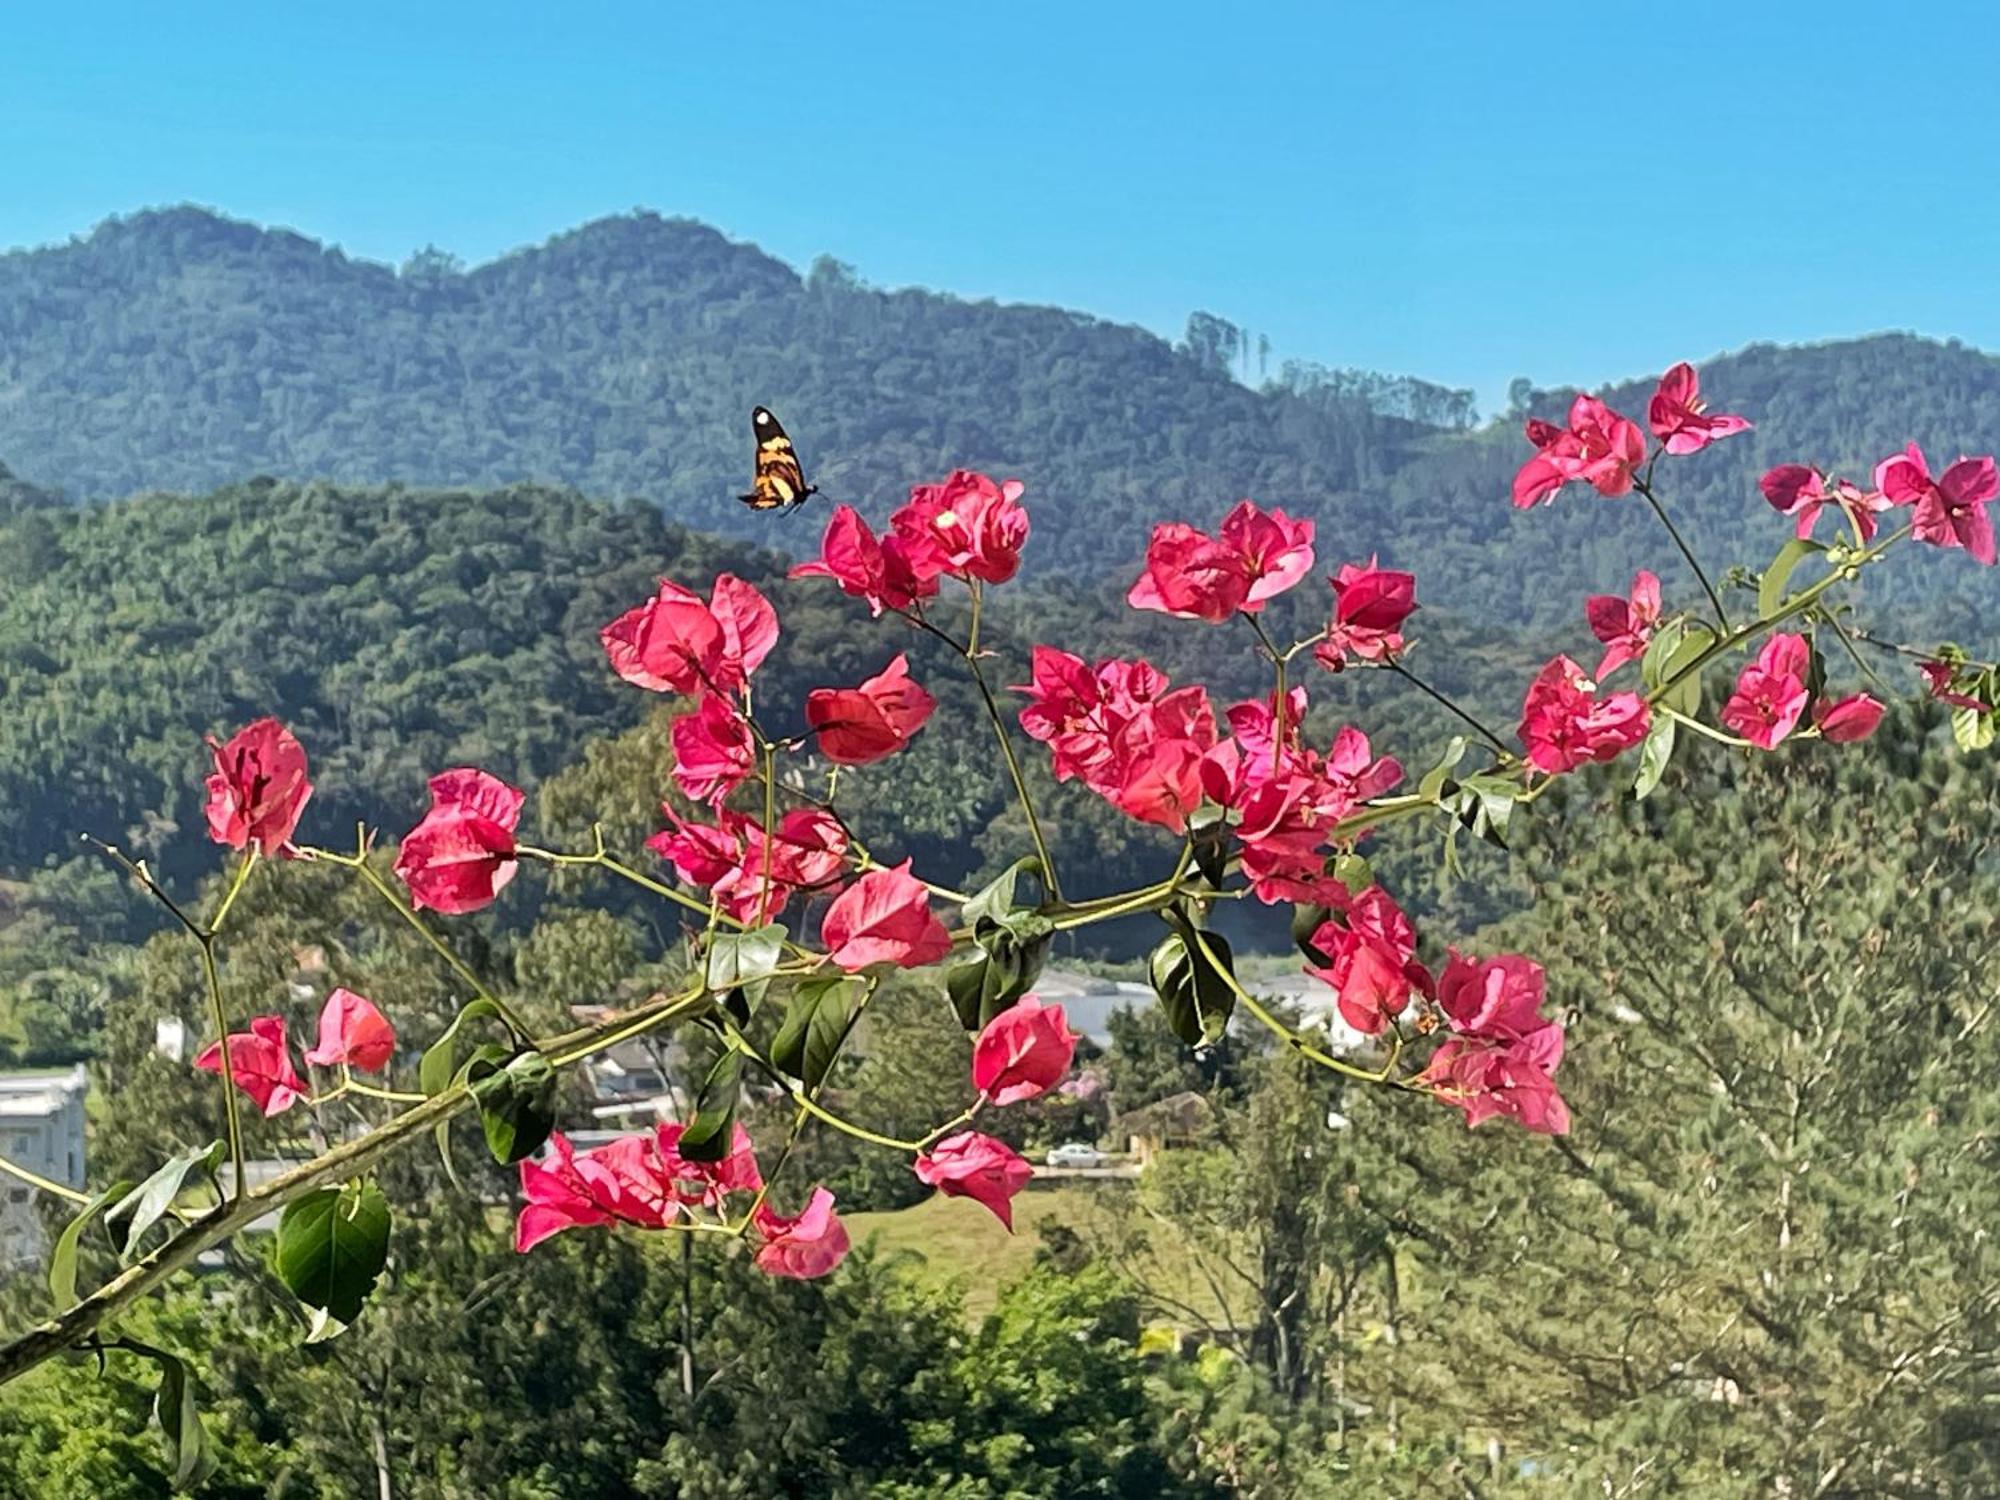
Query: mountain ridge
{"points": [[180, 350]]}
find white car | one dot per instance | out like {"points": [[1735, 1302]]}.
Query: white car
{"points": [[1076, 1154]]}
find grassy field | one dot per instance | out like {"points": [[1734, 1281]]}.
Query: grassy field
{"points": [[961, 1244]]}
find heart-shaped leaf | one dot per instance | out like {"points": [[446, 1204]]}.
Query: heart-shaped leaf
{"points": [[1000, 969], [1771, 587], [62, 1262], [187, 1440], [744, 961], [332, 1244], [1654, 756]]}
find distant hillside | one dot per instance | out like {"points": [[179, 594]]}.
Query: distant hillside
{"points": [[180, 350]]}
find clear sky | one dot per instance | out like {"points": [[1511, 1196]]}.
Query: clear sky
{"points": [[1463, 192]]}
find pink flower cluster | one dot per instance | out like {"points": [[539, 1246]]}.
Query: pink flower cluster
{"points": [[1502, 1053], [1287, 801], [352, 1034], [1772, 692], [1369, 948], [644, 1181], [1564, 724], [968, 527], [1604, 450], [1123, 731], [1256, 556]]}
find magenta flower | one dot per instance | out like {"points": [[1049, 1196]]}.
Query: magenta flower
{"points": [[1024, 1051], [713, 750], [353, 1033], [1847, 719], [1599, 448], [1370, 605], [1801, 491], [1951, 509], [805, 1247], [1771, 692], [1194, 576], [1624, 625], [1563, 725], [1680, 418], [976, 1166], [260, 1064], [462, 854], [1503, 1053]]}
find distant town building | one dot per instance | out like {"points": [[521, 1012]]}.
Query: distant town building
{"points": [[41, 1128], [1175, 1122]]}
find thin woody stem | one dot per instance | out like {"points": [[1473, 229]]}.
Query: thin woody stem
{"points": [[1020, 781], [1290, 1037], [35, 1179], [231, 1114], [1421, 686], [1644, 487], [204, 937], [1798, 604], [969, 650]]}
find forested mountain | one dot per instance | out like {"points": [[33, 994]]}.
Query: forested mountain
{"points": [[179, 350]]}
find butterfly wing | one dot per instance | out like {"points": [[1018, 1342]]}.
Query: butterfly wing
{"points": [[779, 482]]}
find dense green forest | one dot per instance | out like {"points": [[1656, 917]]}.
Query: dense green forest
{"points": [[178, 350]]}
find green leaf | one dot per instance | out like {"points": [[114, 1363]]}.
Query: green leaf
{"points": [[1194, 990], [439, 1062], [62, 1262], [1673, 649], [821, 1013], [438, 1069], [1210, 840], [995, 908], [1971, 729], [1352, 871], [1771, 588], [996, 899], [744, 961], [1000, 970], [517, 1104], [187, 1441], [149, 1201], [332, 1244], [1654, 756], [707, 1137], [1437, 782]]}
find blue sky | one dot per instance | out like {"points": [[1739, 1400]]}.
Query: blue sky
{"points": [[1464, 192]]}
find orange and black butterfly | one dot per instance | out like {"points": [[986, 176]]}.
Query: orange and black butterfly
{"points": [[779, 483]]}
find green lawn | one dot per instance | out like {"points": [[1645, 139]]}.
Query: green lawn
{"points": [[961, 1244]]}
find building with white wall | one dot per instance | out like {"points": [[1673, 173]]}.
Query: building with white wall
{"points": [[41, 1128]]}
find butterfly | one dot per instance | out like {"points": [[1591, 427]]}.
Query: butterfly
{"points": [[779, 483]]}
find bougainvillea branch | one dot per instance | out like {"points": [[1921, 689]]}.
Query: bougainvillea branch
{"points": [[789, 917]]}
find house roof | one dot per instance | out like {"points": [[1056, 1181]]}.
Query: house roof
{"points": [[1185, 1113]]}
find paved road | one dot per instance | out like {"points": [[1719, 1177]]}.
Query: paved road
{"points": [[1116, 1171]]}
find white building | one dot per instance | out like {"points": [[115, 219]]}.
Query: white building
{"points": [[41, 1128]]}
